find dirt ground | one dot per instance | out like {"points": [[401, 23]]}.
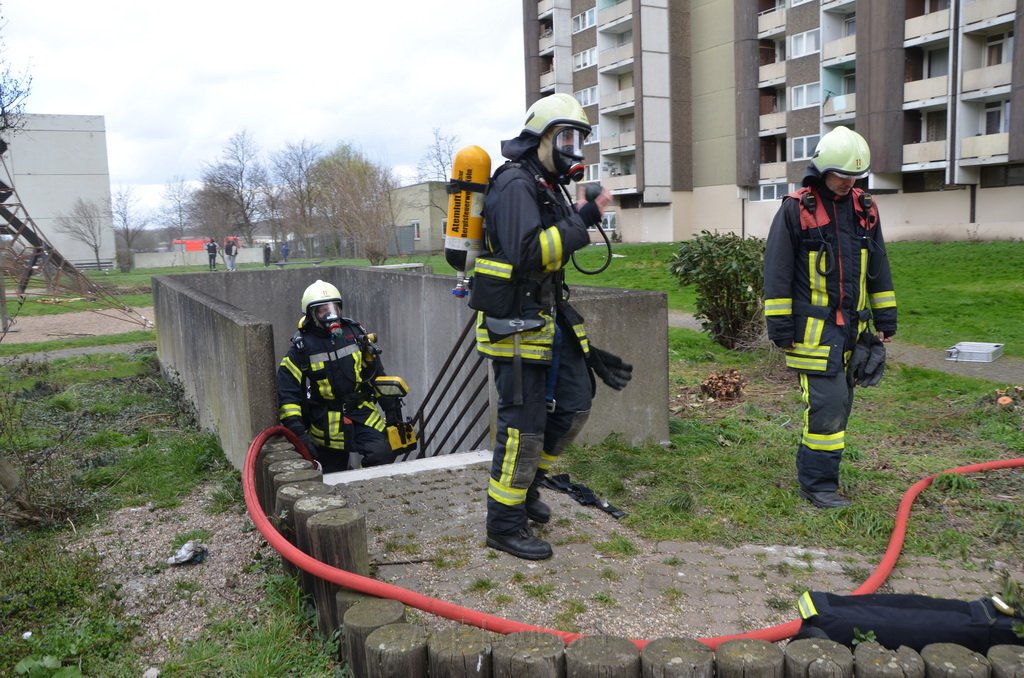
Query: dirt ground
{"points": [[78, 324]]}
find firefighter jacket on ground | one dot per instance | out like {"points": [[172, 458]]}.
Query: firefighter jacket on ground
{"points": [[826, 274], [531, 231], [324, 380]]}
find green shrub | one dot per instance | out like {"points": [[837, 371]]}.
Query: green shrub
{"points": [[727, 274]]}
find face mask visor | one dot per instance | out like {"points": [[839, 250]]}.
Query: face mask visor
{"points": [[328, 315], [568, 142]]}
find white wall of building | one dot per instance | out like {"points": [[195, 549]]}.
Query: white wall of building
{"points": [[53, 161]]}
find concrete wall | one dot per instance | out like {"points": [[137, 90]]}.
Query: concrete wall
{"points": [[246, 255], [222, 335]]}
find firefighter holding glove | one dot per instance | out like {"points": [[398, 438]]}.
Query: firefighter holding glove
{"points": [[826, 280], [536, 341]]}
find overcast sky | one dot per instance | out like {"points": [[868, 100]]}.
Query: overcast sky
{"points": [[175, 80]]}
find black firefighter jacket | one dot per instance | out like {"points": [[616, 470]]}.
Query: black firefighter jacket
{"points": [[826, 274]]}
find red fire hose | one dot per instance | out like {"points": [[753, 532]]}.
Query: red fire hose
{"points": [[497, 624]]}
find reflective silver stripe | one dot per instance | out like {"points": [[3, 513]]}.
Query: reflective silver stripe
{"points": [[333, 355]]}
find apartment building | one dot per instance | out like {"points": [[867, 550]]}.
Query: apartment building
{"points": [[707, 111]]}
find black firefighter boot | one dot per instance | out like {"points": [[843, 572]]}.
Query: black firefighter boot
{"points": [[536, 510], [522, 544], [818, 475]]}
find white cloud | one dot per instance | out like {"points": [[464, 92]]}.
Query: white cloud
{"points": [[175, 81]]}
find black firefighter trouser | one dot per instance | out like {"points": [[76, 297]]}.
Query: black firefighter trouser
{"points": [[828, 401], [365, 440], [528, 436]]}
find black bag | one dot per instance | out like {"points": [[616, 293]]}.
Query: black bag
{"points": [[906, 619], [494, 290]]}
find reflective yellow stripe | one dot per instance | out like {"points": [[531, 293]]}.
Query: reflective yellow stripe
{"points": [[496, 269], [819, 291], [292, 369], [580, 331], [503, 494], [806, 605], [546, 461], [289, 410], [535, 346], [779, 306], [550, 249], [805, 363], [862, 296], [824, 442], [886, 299], [324, 386], [508, 464], [375, 421]]}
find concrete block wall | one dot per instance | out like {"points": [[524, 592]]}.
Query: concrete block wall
{"points": [[223, 334]]}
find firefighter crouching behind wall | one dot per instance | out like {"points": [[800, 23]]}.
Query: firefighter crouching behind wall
{"points": [[324, 385], [826, 279], [537, 343]]}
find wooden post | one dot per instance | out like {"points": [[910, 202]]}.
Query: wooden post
{"points": [[677, 658], [304, 509], [954, 661], [749, 658], [265, 459], [1007, 661], [275, 467], [871, 660], [605, 656], [818, 658], [397, 650], [284, 516], [301, 475], [528, 654], [336, 537], [460, 652], [360, 621]]}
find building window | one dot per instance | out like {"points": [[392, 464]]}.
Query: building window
{"points": [[849, 25], [850, 83], [592, 172], [998, 48], [923, 182], [768, 192], [585, 20], [803, 96], [996, 176], [935, 125], [584, 59], [608, 222], [594, 136], [803, 147], [587, 97], [932, 6], [997, 117], [936, 62], [416, 235], [803, 44]]}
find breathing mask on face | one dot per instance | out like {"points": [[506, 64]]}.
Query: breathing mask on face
{"points": [[561, 153], [328, 316]]}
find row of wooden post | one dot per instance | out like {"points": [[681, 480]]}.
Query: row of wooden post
{"points": [[377, 641]]}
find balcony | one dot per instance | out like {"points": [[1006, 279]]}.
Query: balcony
{"points": [[985, 13], [836, 5], [547, 80], [926, 28], [773, 124], [623, 183], [616, 59], [617, 143], [927, 92], [772, 74], [773, 172], [546, 43], [614, 13], [620, 102], [984, 149], [917, 156], [839, 51], [839, 108], [771, 22], [545, 7], [982, 82]]}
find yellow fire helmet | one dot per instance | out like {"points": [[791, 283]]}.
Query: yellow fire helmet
{"points": [[320, 292], [843, 152], [556, 109]]}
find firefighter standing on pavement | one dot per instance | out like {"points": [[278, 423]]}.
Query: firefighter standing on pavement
{"points": [[826, 278], [323, 385], [537, 343]]}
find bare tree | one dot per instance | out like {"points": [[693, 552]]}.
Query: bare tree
{"points": [[84, 223], [436, 164], [293, 174], [14, 90], [129, 220], [356, 200], [238, 178], [177, 197], [211, 213]]}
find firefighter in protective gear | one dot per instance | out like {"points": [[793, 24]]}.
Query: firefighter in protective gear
{"points": [[826, 280], [324, 387], [536, 342]]}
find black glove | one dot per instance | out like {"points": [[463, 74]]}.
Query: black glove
{"points": [[855, 368], [874, 365], [610, 368], [308, 443]]}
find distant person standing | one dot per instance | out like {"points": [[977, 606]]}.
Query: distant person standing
{"points": [[211, 250], [285, 250], [266, 254], [230, 252]]}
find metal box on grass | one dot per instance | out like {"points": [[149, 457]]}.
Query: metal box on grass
{"points": [[974, 352]]}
